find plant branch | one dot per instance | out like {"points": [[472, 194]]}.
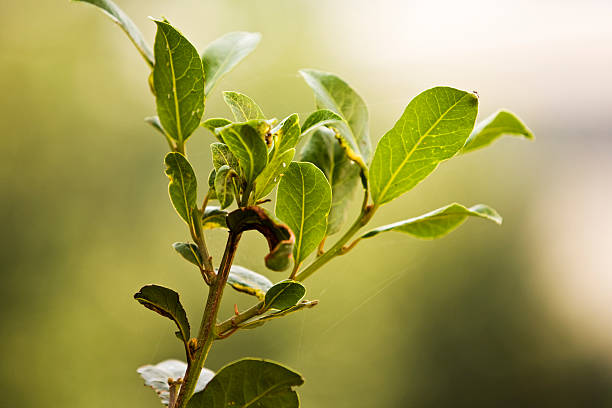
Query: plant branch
{"points": [[207, 334]]}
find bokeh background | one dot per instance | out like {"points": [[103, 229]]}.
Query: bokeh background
{"points": [[511, 316]]}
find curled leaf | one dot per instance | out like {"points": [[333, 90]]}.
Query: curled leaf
{"points": [[280, 238], [189, 252], [214, 217], [165, 302]]}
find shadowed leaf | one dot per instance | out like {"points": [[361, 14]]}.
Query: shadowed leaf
{"points": [[224, 185], [183, 187], [284, 295], [495, 126], [165, 302], [189, 252], [214, 217]]}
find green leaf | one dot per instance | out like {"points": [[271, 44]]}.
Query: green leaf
{"points": [[280, 238], [127, 25], [247, 281], [225, 53], [250, 383], [287, 134], [224, 185], [334, 94], [243, 107], [178, 80], [433, 128], [284, 295], [303, 201], [495, 126], [189, 251], [320, 118], [221, 155], [183, 187], [157, 376], [325, 152], [212, 194], [165, 302], [246, 142], [214, 124], [439, 222], [214, 217], [271, 175], [152, 120]]}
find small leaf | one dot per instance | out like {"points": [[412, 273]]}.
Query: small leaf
{"points": [[495, 126], [250, 382], [157, 376], [127, 25], [334, 94], [287, 134], [243, 107], [320, 118], [183, 187], [224, 185], [433, 128], [439, 222], [246, 281], [212, 194], [225, 53], [280, 238], [214, 124], [271, 175], [214, 217], [165, 302], [152, 120], [246, 142], [189, 251], [178, 80], [284, 295], [324, 151], [303, 201], [221, 155]]}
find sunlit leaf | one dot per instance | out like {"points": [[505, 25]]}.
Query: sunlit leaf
{"points": [[271, 175], [221, 155], [224, 53], [247, 281], [157, 376], [215, 123], [183, 187], [319, 118], [433, 128], [495, 126], [303, 201], [243, 107], [178, 80], [250, 383], [284, 295], [438, 223], [324, 151], [246, 142], [165, 302]]}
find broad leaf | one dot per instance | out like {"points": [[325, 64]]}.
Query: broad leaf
{"points": [[127, 25], [214, 124], [246, 142], [189, 252], [286, 134], [165, 302], [247, 281], [280, 238], [178, 80], [265, 182], [303, 201], [439, 222], [495, 126], [224, 185], [183, 187], [320, 118], [334, 94], [324, 151], [221, 156], [157, 376], [284, 295], [214, 217], [243, 107], [250, 383], [433, 128], [224, 53]]}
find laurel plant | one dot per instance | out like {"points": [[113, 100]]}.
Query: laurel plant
{"points": [[254, 154]]}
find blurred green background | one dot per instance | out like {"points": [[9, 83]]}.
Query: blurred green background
{"points": [[511, 316]]}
